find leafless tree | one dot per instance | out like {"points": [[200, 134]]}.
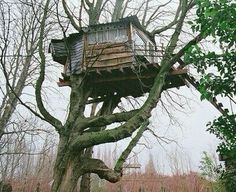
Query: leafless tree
{"points": [[20, 23]]}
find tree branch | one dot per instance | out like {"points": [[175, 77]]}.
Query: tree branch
{"points": [[70, 16], [181, 52], [171, 24], [126, 130], [132, 144], [48, 117], [109, 119], [117, 10], [154, 15], [175, 37], [98, 166]]}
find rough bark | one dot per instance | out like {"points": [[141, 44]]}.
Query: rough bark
{"points": [[85, 183], [67, 169], [84, 132]]}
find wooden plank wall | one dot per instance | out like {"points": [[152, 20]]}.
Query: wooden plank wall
{"points": [[108, 55]]}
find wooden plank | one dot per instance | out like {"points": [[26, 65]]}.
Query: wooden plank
{"points": [[134, 76], [110, 50], [105, 57], [110, 62], [105, 45], [130, 77], [123, 65]]}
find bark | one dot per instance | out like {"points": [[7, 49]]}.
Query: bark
{"points": [[132, 144], [66, 170], [48, 117], [70, 16], [85, 183], [93, 10], [118, 8]]}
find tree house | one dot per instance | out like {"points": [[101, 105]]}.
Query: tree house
{"points": [[114, 58]]}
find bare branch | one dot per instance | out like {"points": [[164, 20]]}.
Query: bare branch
{"points": [[171, 24], [117, 10], [70, 16], [154, 16], [132, 144], [48, 117]]}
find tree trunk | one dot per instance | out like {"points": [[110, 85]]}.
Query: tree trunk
{"points": [[66, 169], [85, 183]]}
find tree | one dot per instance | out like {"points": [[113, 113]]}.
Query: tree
{"points": [[211, 171], [150, 167], [19, 37], [18, 46], [79, 133], [217, 18]]}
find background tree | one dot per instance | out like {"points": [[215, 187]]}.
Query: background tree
{"points": [[19, 130], [217, 18], [211, 171]]}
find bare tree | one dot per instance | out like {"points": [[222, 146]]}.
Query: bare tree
{"points": [[19, 38]]}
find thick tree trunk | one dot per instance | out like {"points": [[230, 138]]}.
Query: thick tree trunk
{"points": [[66, 178], [66, 169]]}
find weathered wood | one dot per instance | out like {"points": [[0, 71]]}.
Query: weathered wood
{"points": [[104, 57], [104, 46], [107, 51], [109, 63], [139, 76]]}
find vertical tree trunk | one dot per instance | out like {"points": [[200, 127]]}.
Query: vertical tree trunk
{"points": [[66, 169], [85, 184], [66, 176]]}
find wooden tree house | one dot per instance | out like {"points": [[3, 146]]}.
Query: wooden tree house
{"points": [[114, 58]]}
